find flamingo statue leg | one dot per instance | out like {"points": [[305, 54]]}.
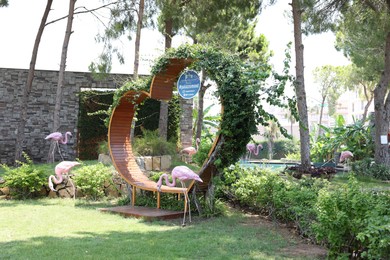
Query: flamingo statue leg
{"points": [[59, 151], [182, 173], [187, 199], [249, 156]]}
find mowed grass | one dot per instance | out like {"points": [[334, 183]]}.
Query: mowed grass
{"points": [[68, 229]]}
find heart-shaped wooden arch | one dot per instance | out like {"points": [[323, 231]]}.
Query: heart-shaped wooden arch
{"points": [[120, 126]]}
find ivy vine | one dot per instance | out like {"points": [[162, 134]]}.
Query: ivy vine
{"points": [[242, 91]]}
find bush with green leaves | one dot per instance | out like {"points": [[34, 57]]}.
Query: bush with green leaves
{"points": [[287, 199], [368, 168], [353, 221], [355, 137], [152, 145], [91, 179], [348, 219], [24, 181], [376, 234], [294, 156], [203, 151], [103, 147]]}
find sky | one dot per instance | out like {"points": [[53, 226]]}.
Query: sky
{"points": [[19, 23]]}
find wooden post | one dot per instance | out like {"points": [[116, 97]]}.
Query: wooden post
{"points": [[158, 200], [133, 196]]}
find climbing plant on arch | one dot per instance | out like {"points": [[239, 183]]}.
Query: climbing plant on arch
{"points": [[241, 90]]}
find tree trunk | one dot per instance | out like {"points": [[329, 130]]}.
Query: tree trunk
{"points": [[321, 114], [202, 91], [369, 98], [138, 38], [61, 75], [300, 87], [382, 109], [366, 109], [270, 149], [27, 89], [163, 119]]}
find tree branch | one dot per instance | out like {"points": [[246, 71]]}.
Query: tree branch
{"points": [[82, 12]]}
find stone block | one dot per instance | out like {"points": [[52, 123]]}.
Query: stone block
{"points": [[4, 191], [166, 161], [111, 191], [52, 194], [156, 163], [141, 162], [148, 163]]}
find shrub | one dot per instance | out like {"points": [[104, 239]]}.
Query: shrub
{"points": [[258, 189], [347, 224], [368, 168], [103, 147], [152, 145], [24, 181], [355, 137], [203, 151], [295, 203], [349, 220], [294, 156], [91, 179], [376, 234]]}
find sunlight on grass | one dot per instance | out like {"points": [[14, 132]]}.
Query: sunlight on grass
{"points": [[66, 229]]}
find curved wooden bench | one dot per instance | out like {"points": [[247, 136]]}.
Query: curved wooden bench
{"points": [[119, 134]]}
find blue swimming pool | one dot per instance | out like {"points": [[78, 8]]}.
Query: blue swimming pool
{"points": [[272, 165]]}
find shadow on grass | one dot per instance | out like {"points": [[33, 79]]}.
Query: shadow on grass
{"points": [[192, 242], [71, 231]]}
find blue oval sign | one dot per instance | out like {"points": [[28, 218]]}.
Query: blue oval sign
{"points": [[188, 84]]}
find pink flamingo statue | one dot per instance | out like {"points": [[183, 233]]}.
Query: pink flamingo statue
{"points": [[252, 149], [182, 173], [345, 155], [57, 137], [191, 150], [62, 168]]}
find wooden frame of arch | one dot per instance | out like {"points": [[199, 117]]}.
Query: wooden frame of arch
{"points": [[120, 126]]}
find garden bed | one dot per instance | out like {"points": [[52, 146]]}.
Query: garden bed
{"points": [[298, 171]]}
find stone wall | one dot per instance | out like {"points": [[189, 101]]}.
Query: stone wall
{"points": [[40, 109]]}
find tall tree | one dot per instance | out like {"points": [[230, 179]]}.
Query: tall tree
{"points": [[366, 28], [330, 79], [3, 3], [300, 85], [27, 90], [271, 133], [358, 79], [167, 24], [61, 76], [126, 18], [140, 14], [219, 23]]}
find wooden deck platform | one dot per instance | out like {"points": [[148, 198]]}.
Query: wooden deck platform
{"points": [[144, 212]]}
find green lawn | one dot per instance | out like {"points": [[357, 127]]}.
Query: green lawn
{"points": [[367, 182], [67, 229]]}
